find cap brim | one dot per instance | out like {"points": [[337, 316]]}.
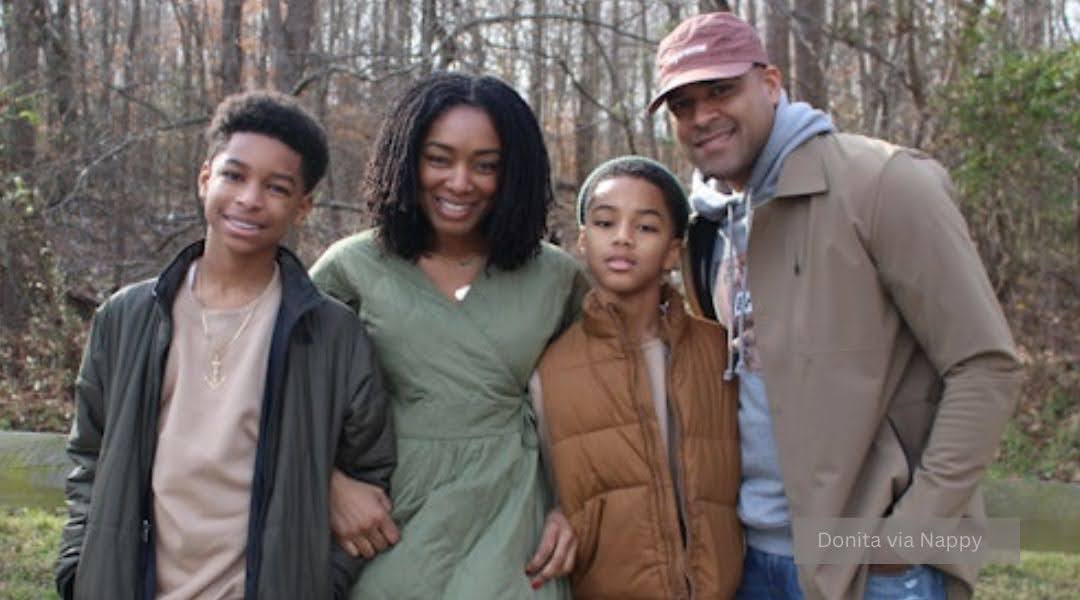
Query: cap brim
{"points": [[724, 71]]}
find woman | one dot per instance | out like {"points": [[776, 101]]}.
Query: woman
{"points": [[460, 296]]}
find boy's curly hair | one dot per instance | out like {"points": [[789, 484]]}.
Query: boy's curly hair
{"points": [[275, 115]]}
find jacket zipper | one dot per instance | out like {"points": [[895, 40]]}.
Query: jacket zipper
{"points": [[148, 574]]}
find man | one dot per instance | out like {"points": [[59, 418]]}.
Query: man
{"points": [[876, 370]]}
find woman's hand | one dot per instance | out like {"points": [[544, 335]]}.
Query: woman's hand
{"points": [[360, 516], [555, 555]]}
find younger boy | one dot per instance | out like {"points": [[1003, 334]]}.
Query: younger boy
{"points": [[639, 426], [214, 401]]}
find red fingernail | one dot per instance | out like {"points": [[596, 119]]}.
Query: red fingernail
{"points": [[536, 584]]}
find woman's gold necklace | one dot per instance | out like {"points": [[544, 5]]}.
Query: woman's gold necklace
{"points": [[463, 263]]}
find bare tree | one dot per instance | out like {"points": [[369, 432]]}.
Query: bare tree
{"points": [[707, 6], [116, 112], [290, 39], [23, 20], [1034, 23], [778, 34], [810, 85], [232, 51], [619, 134], [536, 66], [645, 61], [585, 128], [872, 16], [428, 27]]}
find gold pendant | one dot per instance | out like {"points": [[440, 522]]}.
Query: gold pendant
{"points": [[214, 378]]}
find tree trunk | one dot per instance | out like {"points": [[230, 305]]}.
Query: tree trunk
{"points": [[537, 77], [810, 85], [778, 35], [585, 122], [261, 60], [121, 211], [617, 136], [290, 39], [282, 69], [80, 70], [1033, 16], [708, 6], [428, 24], [916, 83], [24, 20], [647, 60], [62, 110], [58, 61], [404, 32], [872, 16], [477, 52], [107, 25], [232, 52], [21, 226]]}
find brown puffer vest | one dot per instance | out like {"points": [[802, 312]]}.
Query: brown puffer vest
{"points": [[643, 531]]}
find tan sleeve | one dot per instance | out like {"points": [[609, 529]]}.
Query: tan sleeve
{"points": [[932, 270]]}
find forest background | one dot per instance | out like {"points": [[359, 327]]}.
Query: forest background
{"points": [[103, 104]]}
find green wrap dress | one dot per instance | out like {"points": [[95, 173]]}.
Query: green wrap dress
{"points": [[468, 491]]}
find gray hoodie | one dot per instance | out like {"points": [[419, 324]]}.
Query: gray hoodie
{"points": [[763, 507]]}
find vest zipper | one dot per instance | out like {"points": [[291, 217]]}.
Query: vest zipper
{"points": [[675, 435], [636, 360]]}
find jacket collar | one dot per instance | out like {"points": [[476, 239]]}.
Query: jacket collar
{"points": [[604, 319], [298, 293], [803, 173]]}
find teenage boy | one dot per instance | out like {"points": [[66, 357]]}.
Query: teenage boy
{"points": [[876, 369], [639, 427], [214, 401]]}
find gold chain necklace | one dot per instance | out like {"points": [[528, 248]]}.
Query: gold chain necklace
{"points": [[463, 263], [216, 376]]}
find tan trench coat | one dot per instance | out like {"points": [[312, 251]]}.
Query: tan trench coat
{"points": [[888, 364]]}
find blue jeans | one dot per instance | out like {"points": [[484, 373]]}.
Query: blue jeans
{"points": [[917, 583], [768, 576], [774, 577]]}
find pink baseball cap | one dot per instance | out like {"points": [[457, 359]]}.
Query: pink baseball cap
{"points": [[715, 45]]}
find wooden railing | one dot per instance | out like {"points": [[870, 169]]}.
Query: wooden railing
{"points": [[33, 467]]}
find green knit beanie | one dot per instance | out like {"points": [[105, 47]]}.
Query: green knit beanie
{"points": [[642, 168]]}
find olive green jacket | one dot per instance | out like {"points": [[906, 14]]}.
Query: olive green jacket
{"points": [[323, 407]]}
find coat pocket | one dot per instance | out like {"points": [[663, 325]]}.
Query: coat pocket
{"points": [[586, 524], [894, 461]]}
